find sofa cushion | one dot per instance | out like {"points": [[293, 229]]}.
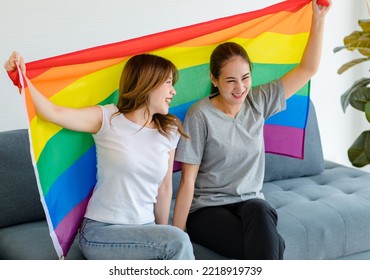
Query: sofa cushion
{"points": [[324, 216], [19, 196], [282, 167], [31, 241]]}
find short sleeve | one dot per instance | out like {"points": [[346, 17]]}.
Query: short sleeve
{"points": [[190, 150], [175, 137], [107, 112], [269, 98]]}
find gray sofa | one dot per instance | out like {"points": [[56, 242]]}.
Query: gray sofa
{"points": [[323, 207]]}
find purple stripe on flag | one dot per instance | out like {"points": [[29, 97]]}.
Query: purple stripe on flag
{"points": [[284, 140], [68, 227]]}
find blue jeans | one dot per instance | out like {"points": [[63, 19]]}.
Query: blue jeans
{"points": [[104, 241]]}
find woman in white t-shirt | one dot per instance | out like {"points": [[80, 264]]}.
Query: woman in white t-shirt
{"points": [[127, 215]]}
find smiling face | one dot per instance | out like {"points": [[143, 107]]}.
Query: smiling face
{"points": [[161, 96], [234, 81], [147, 84]]}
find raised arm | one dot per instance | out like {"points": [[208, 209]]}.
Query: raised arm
{"points": [[185, 194], [87, 119], [300, 75]]}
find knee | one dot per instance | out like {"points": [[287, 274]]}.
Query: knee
{"points": [[261, 209], [179, 243], [179, 236]]}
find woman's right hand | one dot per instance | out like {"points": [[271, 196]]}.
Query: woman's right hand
{"points": [[14, 60]]}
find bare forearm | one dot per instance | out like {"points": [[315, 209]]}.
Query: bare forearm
{"points": [[44, 107], [182, 205], [312, 55], [162, 207], [310, 62]]}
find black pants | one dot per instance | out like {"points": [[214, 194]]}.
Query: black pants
{"points": [[245, 230]]}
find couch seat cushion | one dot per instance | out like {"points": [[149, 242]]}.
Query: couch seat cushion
{"points": [[31, 241], [326, 216]]}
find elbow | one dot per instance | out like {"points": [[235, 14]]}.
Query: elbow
{"points": [[313, 70], [52, 113], [165, 189], [309, 70]]}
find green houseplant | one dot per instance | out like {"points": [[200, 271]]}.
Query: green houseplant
{"points": [[358, 95]]}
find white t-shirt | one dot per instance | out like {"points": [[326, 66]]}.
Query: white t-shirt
{"points": [[132, 162]]}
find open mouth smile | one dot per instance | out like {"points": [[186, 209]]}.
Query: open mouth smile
{"points": [[168, 101], [238, 95]]}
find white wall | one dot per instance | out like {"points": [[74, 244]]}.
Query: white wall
{"points": [[43, 28], [339, 130]]}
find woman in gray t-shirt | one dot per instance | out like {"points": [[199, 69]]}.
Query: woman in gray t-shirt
{"points": [[219, 200]]}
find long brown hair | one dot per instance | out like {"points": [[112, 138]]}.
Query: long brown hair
{"points": [[221, 54], [141, 74]]}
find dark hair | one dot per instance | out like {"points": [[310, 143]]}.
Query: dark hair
{"points": [[141, 74], [221, 54]]}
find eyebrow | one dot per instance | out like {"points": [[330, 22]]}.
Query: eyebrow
{"points": [[244, 76]]}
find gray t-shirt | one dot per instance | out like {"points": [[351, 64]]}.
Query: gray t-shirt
{"points": [[230, 151]]}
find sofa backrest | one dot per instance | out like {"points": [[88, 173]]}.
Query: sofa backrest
{"points": [[19, 196], [282, 167]]}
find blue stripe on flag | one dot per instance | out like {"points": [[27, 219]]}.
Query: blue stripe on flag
{"points": [[71, 187], [295, 115], [180, 110]]}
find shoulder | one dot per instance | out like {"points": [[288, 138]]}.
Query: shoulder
{"points": [[199, 107], [264, 92], [273, 86], [109, 108], [174, 137], [106, 113]]}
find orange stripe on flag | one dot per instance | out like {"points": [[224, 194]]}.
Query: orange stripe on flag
{"points": [[282, 23]]}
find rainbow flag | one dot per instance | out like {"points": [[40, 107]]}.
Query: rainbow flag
{"points": [[65, 161]]}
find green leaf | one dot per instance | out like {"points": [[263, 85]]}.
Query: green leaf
{"points": [[367, 111], [365, 24], [356, 85], [352, 63], [337, 49], [358, 40], [359, 152], [359, 98]]}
